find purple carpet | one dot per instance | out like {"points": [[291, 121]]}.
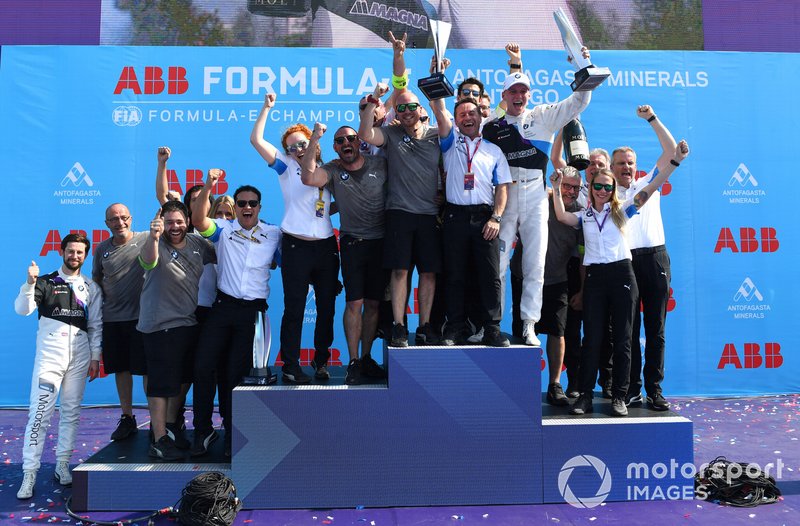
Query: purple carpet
{"points": [[759, 430]]}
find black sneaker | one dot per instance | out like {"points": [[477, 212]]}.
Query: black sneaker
{"points": [[631, 398], [453, 336], [295, 375], [203, 441], [126, 426], [426, 335], [176, 434], [320, 371], [556, 396], [399, 336], [582, 406], [371, 369], [492, 337], [164, 448], [657, 402], [618, 407], [353, 373]]}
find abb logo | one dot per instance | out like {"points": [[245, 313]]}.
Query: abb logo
{"points": [[153, 82], [52, 241], [772, 358], [748, 240], [306, 355], [193, 178]]}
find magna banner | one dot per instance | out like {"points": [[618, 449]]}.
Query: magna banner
{"points": [[81, 127]]}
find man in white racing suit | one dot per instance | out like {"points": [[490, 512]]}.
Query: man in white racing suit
{"points": [[525, 136], [67, 350]]}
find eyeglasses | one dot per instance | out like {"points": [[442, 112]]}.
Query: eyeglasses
{"points": [[350, 138], [300, 145], [606, 187], [474, 92], [241, 203], [121, 219], [575, 188], [424, 118], [411, 106]]}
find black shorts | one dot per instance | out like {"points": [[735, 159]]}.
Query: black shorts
{"points": [[362, 268], [170, 360], [554, 310], [412, 240], [123, 349]]}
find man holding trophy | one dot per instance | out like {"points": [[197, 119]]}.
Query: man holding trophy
{"points": [[525, 136]]}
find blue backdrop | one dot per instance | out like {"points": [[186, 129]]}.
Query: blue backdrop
{"points": [[79, 129]]}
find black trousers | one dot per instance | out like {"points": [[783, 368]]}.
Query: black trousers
{"points": [[572, 332], [464, 243], [307, 263], [224, 356], [609, 290], [653, 275]]}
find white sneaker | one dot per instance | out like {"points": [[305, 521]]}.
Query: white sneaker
{"points": [[26, 488], [529, 333], [62, 473], [477, 337]]}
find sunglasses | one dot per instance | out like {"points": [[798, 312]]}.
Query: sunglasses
{"points": [[121, 219], [411, 106], [576, 188], [600, 186], [241, 203], [301, 145], [350, 139], [474, 92]]}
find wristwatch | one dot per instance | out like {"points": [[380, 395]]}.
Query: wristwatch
{"points": [[497, 217]]}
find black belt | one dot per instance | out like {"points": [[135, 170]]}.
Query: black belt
{"points": [[471, 209], [648, 250], [260, 303]]}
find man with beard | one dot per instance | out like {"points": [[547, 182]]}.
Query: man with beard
{"points": [[476, 188], [67, 350], [358, 182], [173, 262], [116, 270], [412, 234], [247, 248]]}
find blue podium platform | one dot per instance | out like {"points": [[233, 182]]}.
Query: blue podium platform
{"points": [[451, 426]]}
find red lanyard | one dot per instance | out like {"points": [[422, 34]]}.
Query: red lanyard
{"points": [[470, 157]]}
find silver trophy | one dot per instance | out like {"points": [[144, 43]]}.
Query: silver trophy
{"points": [[588, 76], [260, 374], [437, 86]]}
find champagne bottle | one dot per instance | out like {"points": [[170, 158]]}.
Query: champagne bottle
{"points": [[576, 147]]}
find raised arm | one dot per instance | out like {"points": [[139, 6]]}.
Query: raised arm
{"points": [[557, 151], [25, 303], [202, 204], [664, 136], [568, 218], [310, 173], [149, 254], [399, 75], [162, 185], [368, 132], [514, 57], [679, 154], [443, 121], [264, 148]]}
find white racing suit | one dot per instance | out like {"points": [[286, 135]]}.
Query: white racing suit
{"points": [[526, 141], [69, 336]]}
